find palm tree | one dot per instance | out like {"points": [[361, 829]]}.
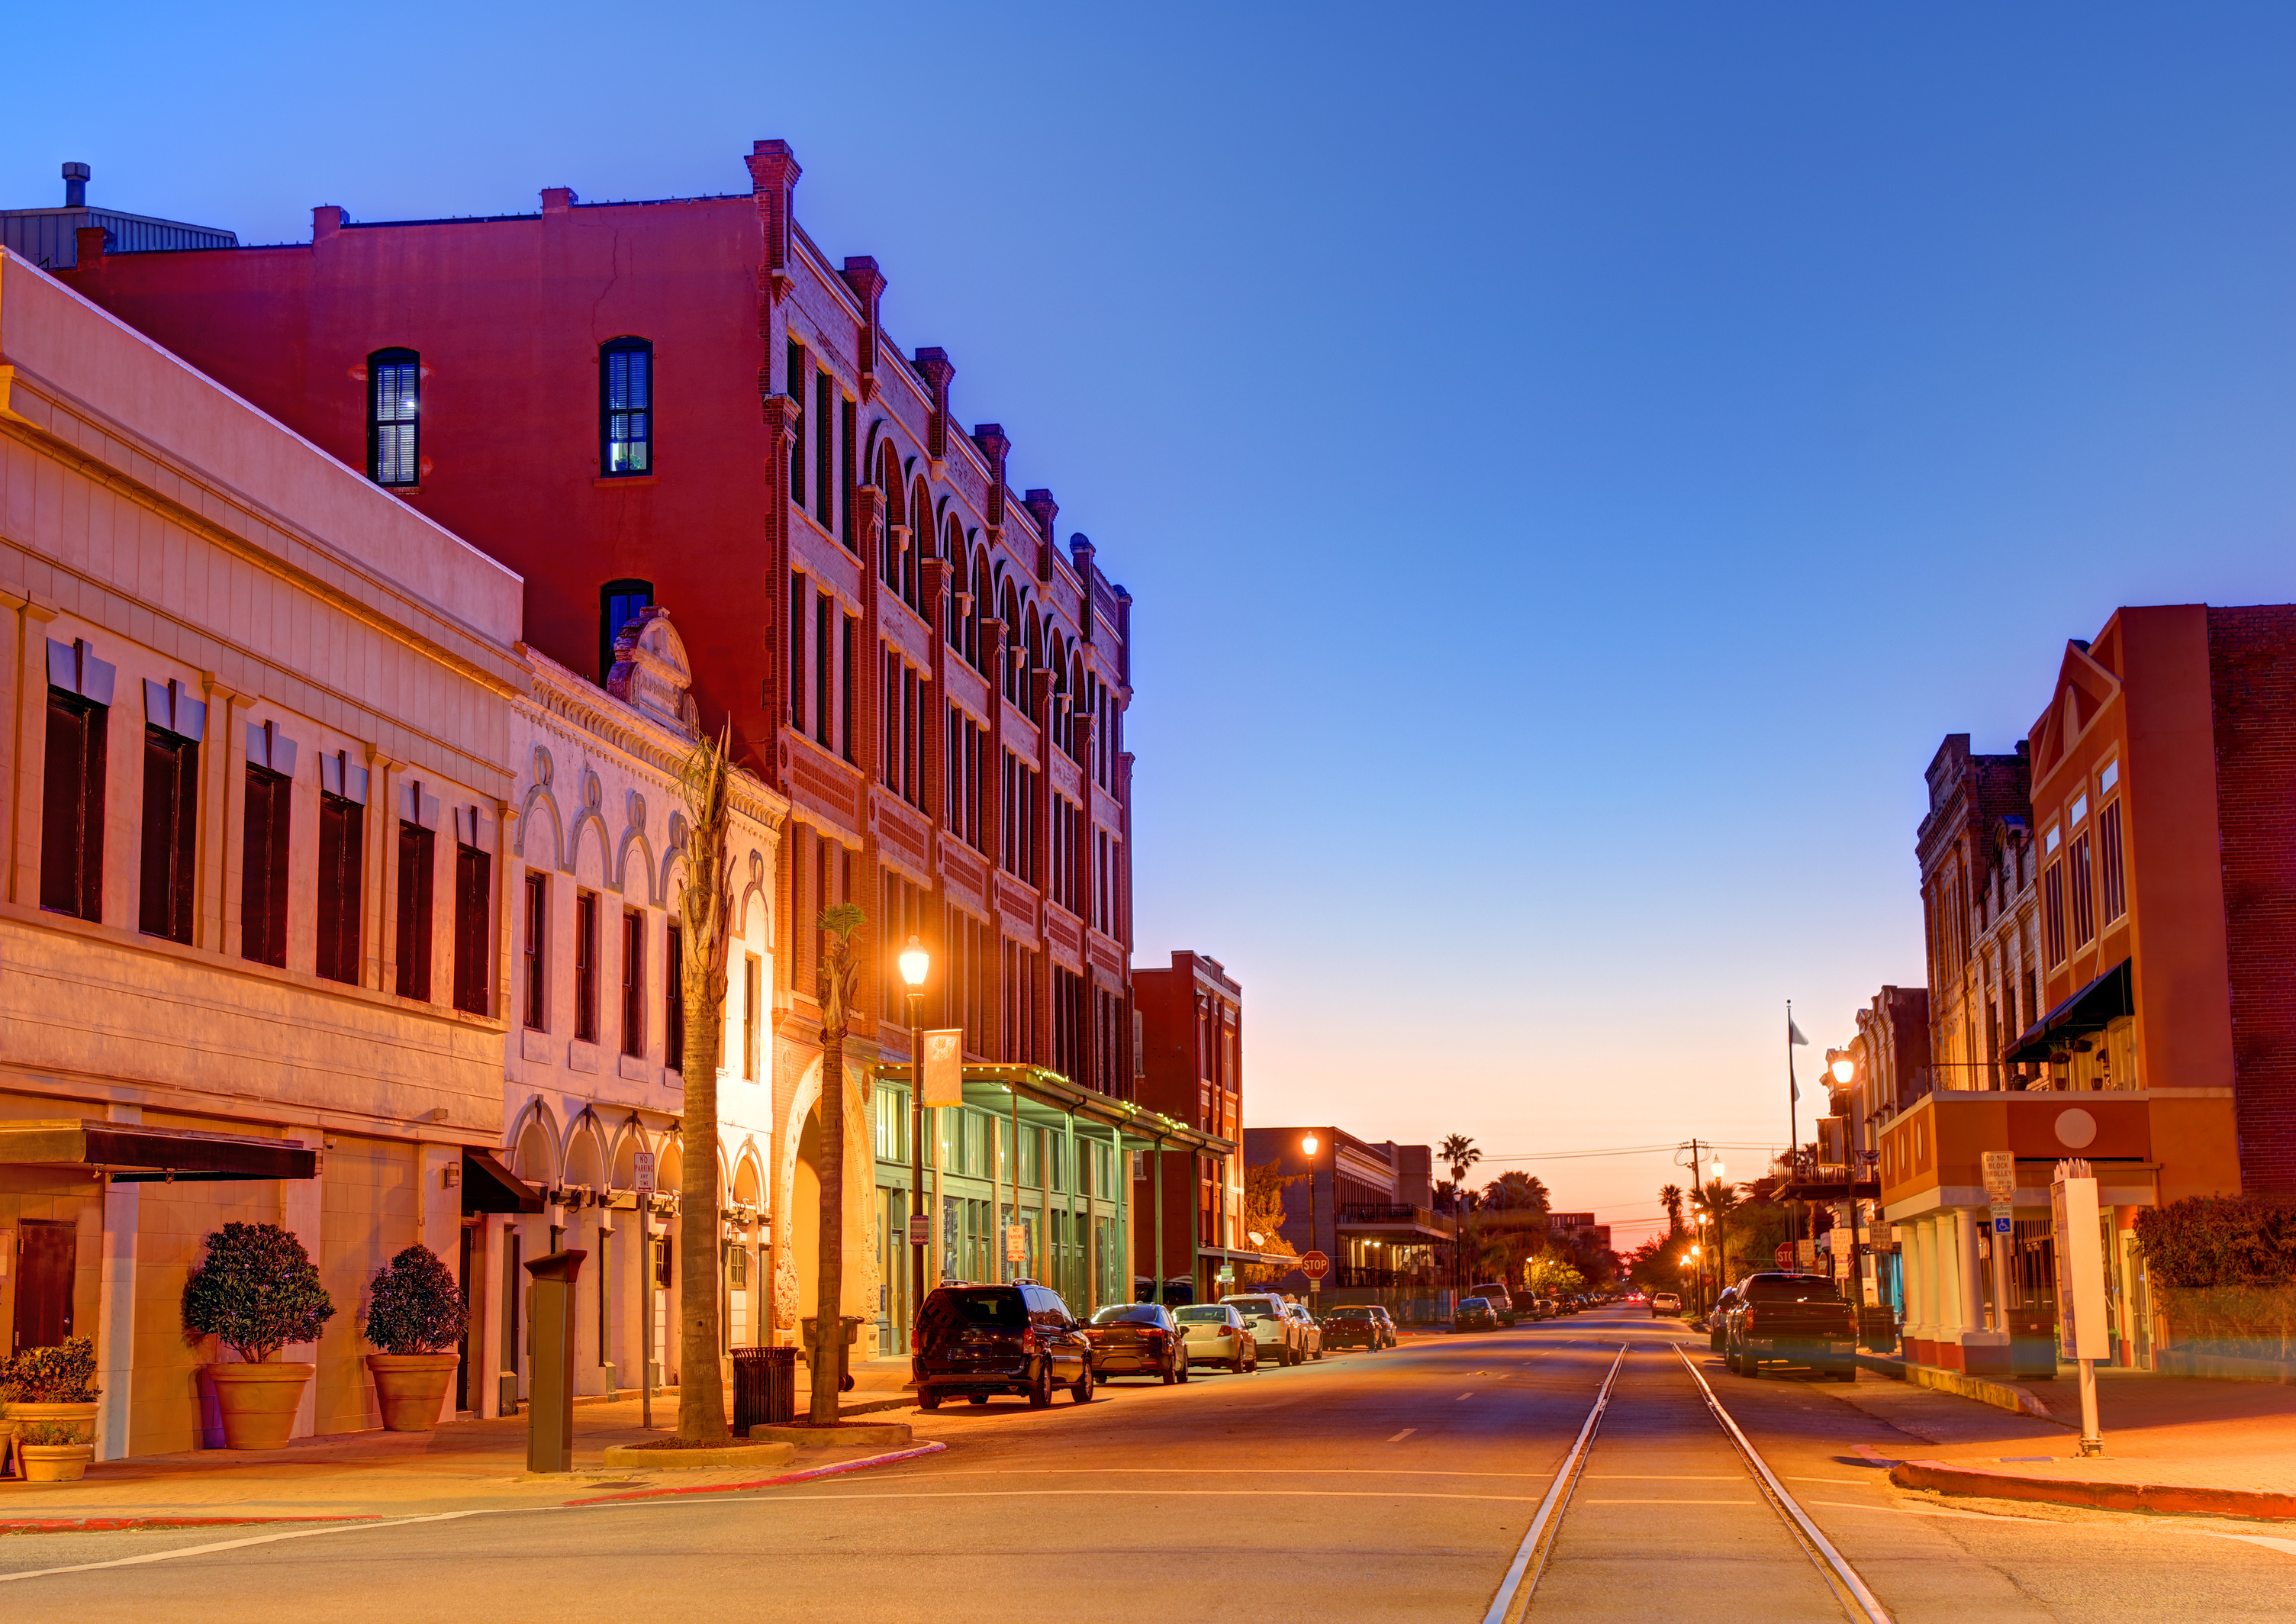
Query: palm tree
{"points": [[1459, 1154], [1670, 1197], [841, 972], [706, 905]]}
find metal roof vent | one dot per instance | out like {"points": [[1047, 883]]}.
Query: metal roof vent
{"points": [[75, 179]]}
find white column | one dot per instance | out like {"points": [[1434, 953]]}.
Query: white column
{"points": [[438, 1220], [300, 1210], [486, 1316], [115, 1335]]}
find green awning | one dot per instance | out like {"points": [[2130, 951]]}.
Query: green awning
{"points": [[1048, 1099]]}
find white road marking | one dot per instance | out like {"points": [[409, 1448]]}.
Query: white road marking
{"points": [[2266, 1540], [235, 1545], [1400, 1437], [1670, 1502], [1462, 1396]]}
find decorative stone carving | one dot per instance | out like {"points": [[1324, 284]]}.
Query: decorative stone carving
{"points": [[652, 673]]}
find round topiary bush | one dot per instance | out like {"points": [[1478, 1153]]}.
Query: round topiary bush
{"points": [[413, 1306], [257, 1290], [64, 1374]]}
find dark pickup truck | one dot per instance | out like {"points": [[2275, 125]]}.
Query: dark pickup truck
{"points": [[1791, 1319]]}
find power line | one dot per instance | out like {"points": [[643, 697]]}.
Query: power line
{"points": [[1632, 1150]]}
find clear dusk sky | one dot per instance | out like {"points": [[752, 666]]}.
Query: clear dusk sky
{"points": [[1573, 463]]}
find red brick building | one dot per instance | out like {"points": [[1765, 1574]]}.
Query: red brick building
{"points": [[1982, 966], [1190, 1069], [686, 401]]}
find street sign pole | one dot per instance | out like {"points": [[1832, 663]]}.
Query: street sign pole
{"points": [[2001, 1195]]}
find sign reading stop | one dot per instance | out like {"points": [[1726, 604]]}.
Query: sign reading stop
{"points": [[1315, 1265]]}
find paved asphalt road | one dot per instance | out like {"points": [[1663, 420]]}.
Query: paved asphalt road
{"points": [[1395, 1485]]}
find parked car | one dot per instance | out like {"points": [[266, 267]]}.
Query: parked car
{"points": [[1276, 1336], [1136, 1338], [975, 1341], [1664, 1302], [1310, 1338], [1354, 1324], [1718, 1314], [1782, 1318], [1217, 1333], [1494, 1292], [1474, 1314]]}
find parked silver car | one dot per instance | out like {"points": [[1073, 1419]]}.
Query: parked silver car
{"points": [[1310, 1345], [1275, 1333]]}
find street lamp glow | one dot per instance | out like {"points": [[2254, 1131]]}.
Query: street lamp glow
{"points": [[1717, 1170], [1307, 1146], [915, 962], [1843, 1071]]}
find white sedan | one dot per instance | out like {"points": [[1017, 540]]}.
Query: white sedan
{"points": [[1216, 1335]]}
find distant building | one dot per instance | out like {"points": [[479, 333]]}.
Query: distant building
{"points": [[1981, 955], [50, 237], [1371, 1214], [1191, 1019]]}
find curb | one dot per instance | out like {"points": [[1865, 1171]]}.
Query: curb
{"points": [[112, 1525], [772, 1482], [2164, 1499], [2000, 1395]]}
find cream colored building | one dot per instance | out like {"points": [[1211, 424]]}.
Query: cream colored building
{"points": [[256, 760]]}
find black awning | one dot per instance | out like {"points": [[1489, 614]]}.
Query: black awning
{"points": [[133, 1153], [2092, 1009], [488, 1186], [1834, 1190]]}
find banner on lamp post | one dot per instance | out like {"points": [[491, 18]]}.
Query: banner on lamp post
{"points": [[943, 1083]]}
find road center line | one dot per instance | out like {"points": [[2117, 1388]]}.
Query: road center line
{"points": [[1400, 1437]]}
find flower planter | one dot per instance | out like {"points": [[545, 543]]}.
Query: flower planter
{"points": [[53, 1462], [409, 1387], [258, 1402], [79, 1417]]}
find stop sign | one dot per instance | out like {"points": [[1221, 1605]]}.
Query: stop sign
{"points": [[1315, 1265]]}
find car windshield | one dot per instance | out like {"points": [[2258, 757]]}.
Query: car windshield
{"points": [[1263, 1307], [1474, 1302], [1127, 1314], [997, 1306], [1202, 1313], [1350, 1313]]}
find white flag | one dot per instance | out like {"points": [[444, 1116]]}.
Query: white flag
{"points": [[1793, 1033]]}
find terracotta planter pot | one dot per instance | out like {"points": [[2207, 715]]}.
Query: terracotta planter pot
{"points": [[81, 1416], [53, 1462], [258, 1402], [410, 1388]]}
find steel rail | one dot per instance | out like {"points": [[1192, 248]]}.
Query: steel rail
{"points": [[1534, 1543], [1843, 1574]]}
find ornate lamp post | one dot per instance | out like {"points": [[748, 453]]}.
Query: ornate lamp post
{"points": [[1308, 1148], [915, 964]]}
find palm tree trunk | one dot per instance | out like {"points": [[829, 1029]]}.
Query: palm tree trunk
{"points": [[829, 1295], [706, 903]]}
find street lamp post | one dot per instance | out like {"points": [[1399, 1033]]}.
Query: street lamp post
{"points": [[1307, 1147], [917, 963]]}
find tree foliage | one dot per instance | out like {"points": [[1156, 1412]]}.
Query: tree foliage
{"points": [[257, 1290], [1263, 1219], [64, 1374], [413, 1306], [2219, 1240]]}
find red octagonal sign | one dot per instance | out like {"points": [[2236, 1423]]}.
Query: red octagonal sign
{"points": [[1315, 1265]]}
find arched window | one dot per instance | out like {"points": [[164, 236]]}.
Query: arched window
{"points": [[1035, 664], [984, 610], [1083, 699], [394, 428], [625, 407], [888, 480], [1009, 678], [921, 541]]}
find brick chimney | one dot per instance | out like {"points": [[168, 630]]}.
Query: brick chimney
{"points": [[772, 181], [933, 367], [868, 285]]}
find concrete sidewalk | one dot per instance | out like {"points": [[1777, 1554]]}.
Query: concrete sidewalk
{"points": [[2172, 1444], [467, 1465]]}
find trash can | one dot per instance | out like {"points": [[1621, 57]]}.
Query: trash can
{"points": [[765, 1388]]}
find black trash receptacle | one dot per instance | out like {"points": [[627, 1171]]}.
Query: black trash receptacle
{"points": [[765, 1388]]}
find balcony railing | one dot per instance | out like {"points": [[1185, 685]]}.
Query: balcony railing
{"points": [[1359, 1214]]}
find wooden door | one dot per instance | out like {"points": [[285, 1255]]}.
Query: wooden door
{"points": [[47, 1253]]}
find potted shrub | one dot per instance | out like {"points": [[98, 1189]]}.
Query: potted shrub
{"points": [[51, 1452], [415, 1314], [50, 1394], [255, 1292]]}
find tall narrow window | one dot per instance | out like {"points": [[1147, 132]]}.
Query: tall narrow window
{"points": [[625, 408], [673, 1000], [2077, 858], [2112, 889], [343, 844], [71, 806], [632, 982], [535, 961], [171, 797], [800, 613], [394, 450], [417, 883], [825, 488], [263, 868], [2052, 912], [825, 650], [586, 966], [753, 984], [474, 980], [619, 603], [797, 376], [848, 679], [846, 422]]}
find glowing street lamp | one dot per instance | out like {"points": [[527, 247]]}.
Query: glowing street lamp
{"points": [[1844, 1070], [1307, 1147]]}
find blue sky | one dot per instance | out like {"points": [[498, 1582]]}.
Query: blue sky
{"points": [[1573, 463]]}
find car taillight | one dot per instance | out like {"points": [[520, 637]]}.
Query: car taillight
{"points": [[1030, 1342]]}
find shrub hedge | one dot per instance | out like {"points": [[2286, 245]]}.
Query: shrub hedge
{"points": [[2219, 1240]]}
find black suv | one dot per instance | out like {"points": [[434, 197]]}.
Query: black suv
{"points": [[1359, 1325], [978, 1339]]}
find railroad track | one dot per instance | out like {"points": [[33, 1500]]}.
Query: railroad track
{"points": [[1518, 1591]]}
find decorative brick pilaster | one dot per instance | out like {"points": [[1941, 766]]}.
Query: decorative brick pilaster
{"points": [[868, 285], [1080, 556], [991, 438], [773, 174], [933, 367], [1044, 509]]}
